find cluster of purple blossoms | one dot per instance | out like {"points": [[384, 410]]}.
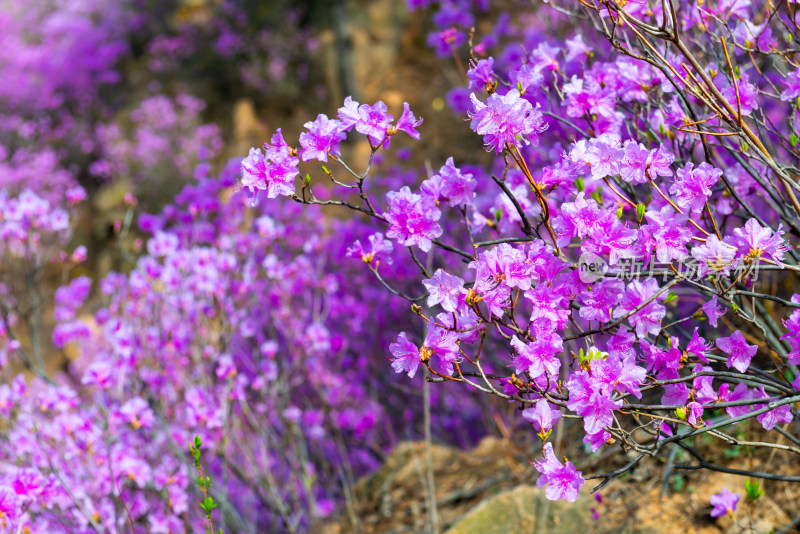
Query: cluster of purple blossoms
{"points": [[506, 119]]}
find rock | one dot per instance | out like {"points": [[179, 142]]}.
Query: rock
{"points": [[525, 509]]}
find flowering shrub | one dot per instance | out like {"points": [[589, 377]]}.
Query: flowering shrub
{"points": [[229, 327], [622, 263], [162, 138], [613, 261]]}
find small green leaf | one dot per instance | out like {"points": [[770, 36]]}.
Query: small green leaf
{"points": [[753, 489], [325, 169], [793, 139], [640, 211], [744, 146], [197, 442], [519, 88], [737, 72], [498, 215], [620, 211], [670, 297], [579, 184], [598, 196], [735, 306]]}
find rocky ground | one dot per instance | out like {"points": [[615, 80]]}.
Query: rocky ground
{"points": [[491, 490]]}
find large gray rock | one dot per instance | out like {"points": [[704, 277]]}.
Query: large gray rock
{"points": [[525, 509]]}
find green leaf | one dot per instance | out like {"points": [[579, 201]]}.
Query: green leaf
{"points": [[598, 196], [620, 211], [737, 72], [498, 215], [579, 184], [793, 139], [744, 146], [753, 489], [640, 211], [197, 441], [670, 297]]}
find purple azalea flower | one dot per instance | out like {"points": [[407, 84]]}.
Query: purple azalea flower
{"points": [[543, 415], [379, 247], [597, 304], [703, 387], [372, 121], [576, 48], [738, 351], [323, 137], [506, 119], [480, 74], [754, 36], [792, 324], [525, 78], [698, 346], [562, 481], [407, 123], [502, 265], [406, 356], [669, 234], [714, 256], [747, 94], [457, 187], [544, 57], [740, 393], [694, 413], [692, 187], [444, 289], [712, 311], [610, 238], [443, 346], [633, 164], [412, 219], [603, 157], [537, 358], [621, 344], [658, 164], [273, 171], [348, 114], [781, 414], [755, 241], [792, 82], [619, 373], [673, 393], [597, 440], [724, 503], [648, 319], [591, 399]]}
